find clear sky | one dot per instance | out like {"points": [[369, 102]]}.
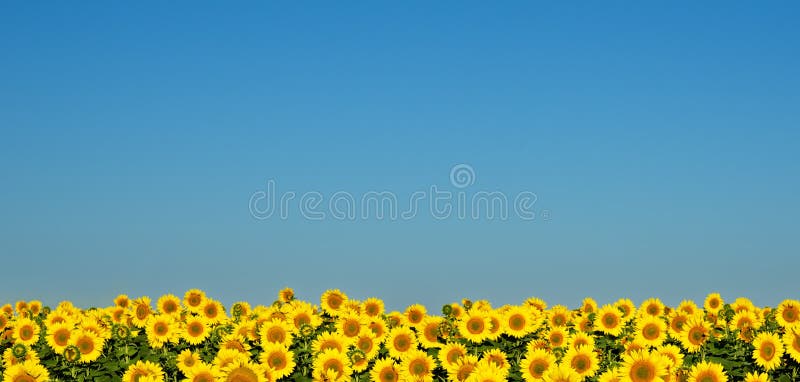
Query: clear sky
{"points": [[661, 141]]}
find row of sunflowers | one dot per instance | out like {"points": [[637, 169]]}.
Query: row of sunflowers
{"points": [[195, 339]]}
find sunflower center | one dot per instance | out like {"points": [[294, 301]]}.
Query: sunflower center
{"points": [[388, 374], [767, 351], [402, 343], [651, 332], [161, 328], [580, 363], [475, 326], [276, 334], [85, 345], [334, 365], [559, 320], [418, 367], [351, 328], [277, 361], [516, 322], [415, 316], [696, 335], [26, 333], [371, 310], [365, 344], [203, 376], [61, 337], [465, 371], [142, 311], [24, 378], [643, 372], [335, 301], [170, 307], [706, 377], [790, 315], [538, 367], [610, 321], [242, 374], [454, 355]]}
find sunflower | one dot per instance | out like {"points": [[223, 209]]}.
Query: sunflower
{"points": [[366, 343], [557, 337], [27, 371], [202, 372], [584, 323], [742, 303], [212, 311], [745, 321], [578, 339], [169, 304], [713, 302], [141, 311], [400, 341], [651, 307], [122, 301], [332, 301], [236, 342], [562, 373], [58, 336], [676, 321], [385, 370], [651, 330], [611, 375], [378, 328], [518, 321], [278, 358], [303, 314], [26, 331], [583, 360], [9, 357], [161, 329], [788, 313], [672, 354], [331, 364], [791, 339], [415, 314], [330, 340], [695, 333], [350, 324], [242, 370], [558, 316], [642, 366], [756, 377], [417, 366], [372, 307], [536, 364], [186, 360], [497, 358], [588, 305], [143, 370], [89, 344], [396, 319], [768, 350], [118, 315], [463, 368], [276, 331], [475, 326], [195, 330], [225, 357], [487, 372], [428, 332], [450, 353], [609, 320], [627, 307], [496, 326], [707, 372], [194, 299], [286, 294]]}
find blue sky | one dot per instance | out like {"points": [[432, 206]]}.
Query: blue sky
{"points": [[660, 138]]}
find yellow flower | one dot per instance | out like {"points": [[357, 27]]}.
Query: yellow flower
{"points": [[202, 372], [141, 311], [536, 364], [651, 307], [328, 341], [350, 324], [609, 320], [450, 353], [756, 377], [497, 358], [583, 360], [286, 295], [143, 370], [58, 336], [331, 364], [642, 366], [304, 314], [234, 341], [580, 339], [27, 371], [278, 358], [226, 357], [707, 372], [475, 326], [161, 329], [417, 366], [519, 321], [651, 330], [212, 311], [672, 354], [385, 370], [169, 304], [627, 307], [26, 331], [589, 305], [415, 314], [186, 360], [332, 301], [713, 302], [195, 330], [372, 307], [792, 341], [695, 333], [428, 332], [276, 331], [400, 341], [242, 370], [487, 372], [194, 299], [611, 375], [788, 313], [768, 350], [559, 316], [89, 344], [562, 373], [557, 337]]}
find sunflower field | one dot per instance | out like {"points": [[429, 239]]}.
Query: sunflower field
{"points": [[195, 339]]}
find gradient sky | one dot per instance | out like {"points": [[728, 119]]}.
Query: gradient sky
{"points": [[662, 138]]}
